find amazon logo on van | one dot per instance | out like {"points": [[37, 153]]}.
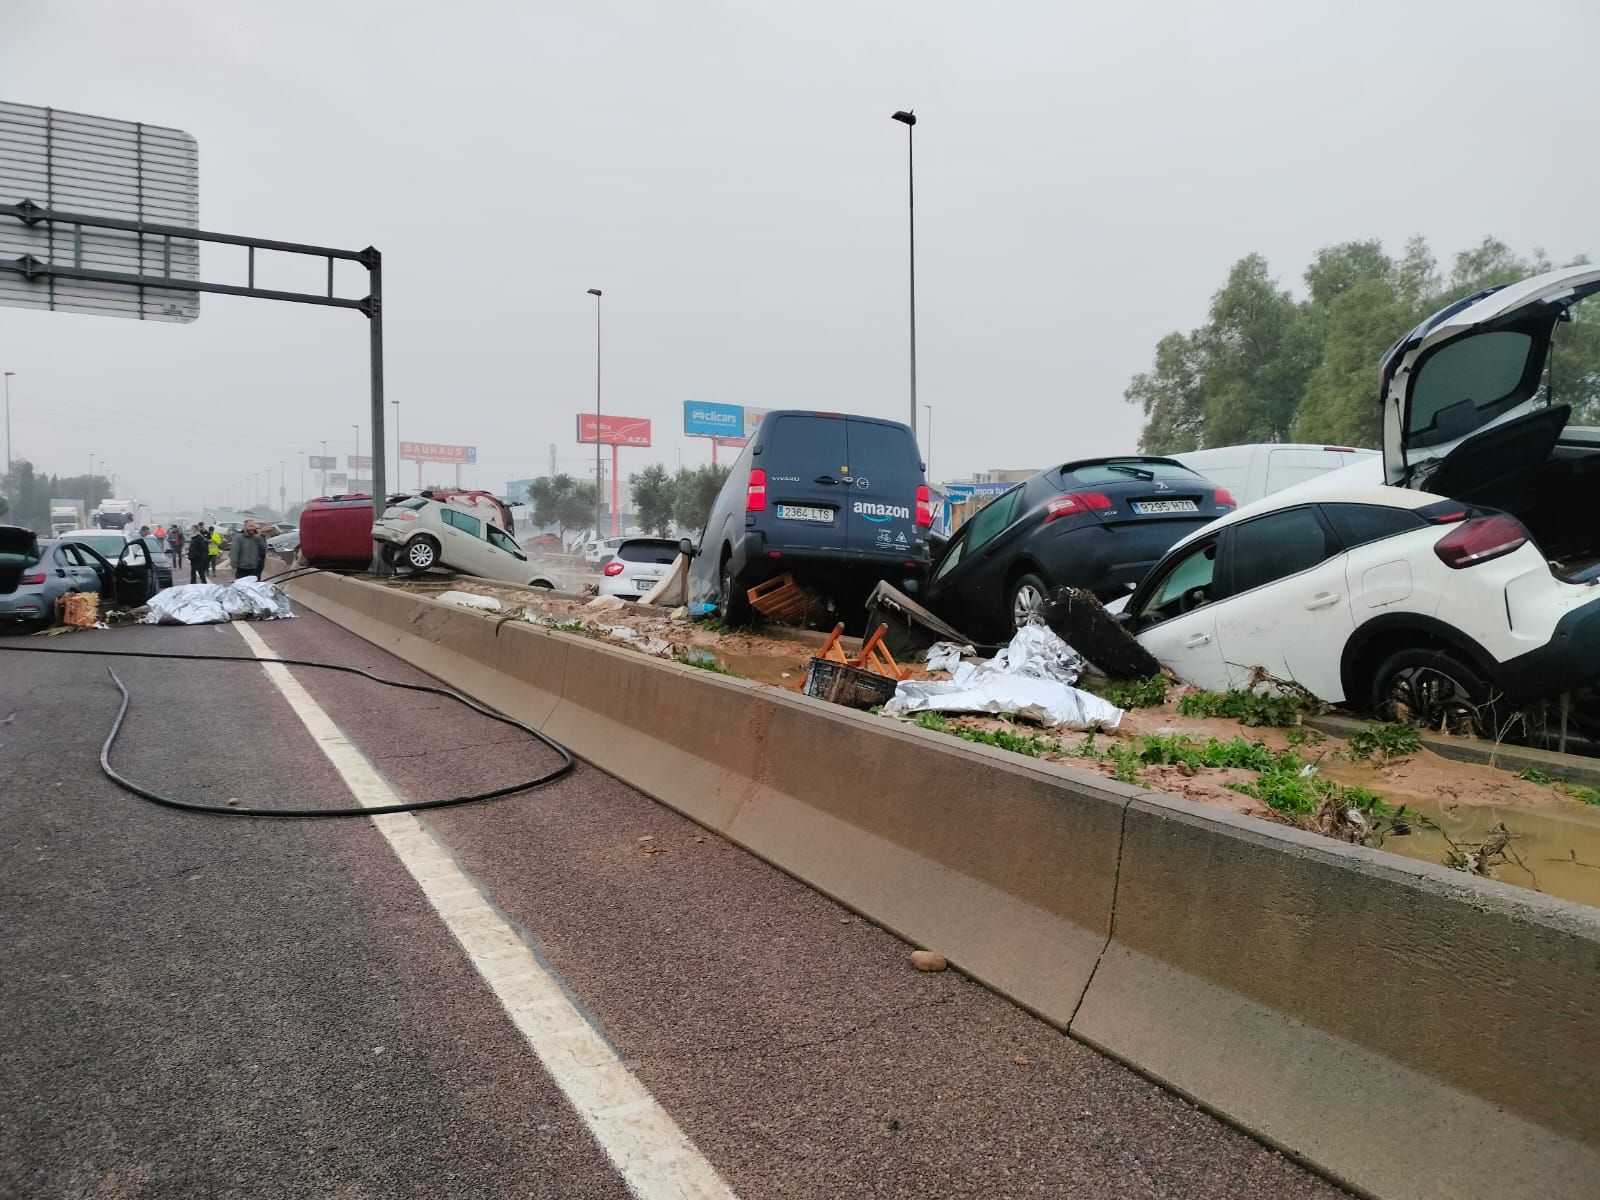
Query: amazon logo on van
{"points": [[880, 512]]}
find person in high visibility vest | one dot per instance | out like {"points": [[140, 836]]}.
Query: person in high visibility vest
{"points": [[216, 550]]}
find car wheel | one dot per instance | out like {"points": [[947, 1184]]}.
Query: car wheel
{"points": [[1433, 689], [1027, 601], [422, 553], [733, 606]]}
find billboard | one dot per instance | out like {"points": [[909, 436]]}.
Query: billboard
{"points": [[517, 490], [322, 462], [339, 481], [437, 452], [712, 420], [68, 162], [613, 431], [358, 461]]}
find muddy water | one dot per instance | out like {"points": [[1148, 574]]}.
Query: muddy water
{"points": [[1560, 848]]}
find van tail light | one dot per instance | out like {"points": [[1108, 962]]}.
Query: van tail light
{"points": [[35, 577], [1479, 540], [613, 568], [755, 493], [1224, 498], [1074, 503], [924, 506]]}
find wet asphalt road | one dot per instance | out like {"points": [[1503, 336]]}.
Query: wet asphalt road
{"points": [[205, 1006]]}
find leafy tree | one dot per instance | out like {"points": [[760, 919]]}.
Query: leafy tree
{"points": [[577, 506], [548, 497], [694, 492], [1268, 367], [654, 498]]}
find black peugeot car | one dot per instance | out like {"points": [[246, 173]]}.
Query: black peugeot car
{"points": [[1100, 524]]}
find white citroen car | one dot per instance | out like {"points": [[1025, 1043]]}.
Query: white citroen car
{"points": [[1472, 577]]}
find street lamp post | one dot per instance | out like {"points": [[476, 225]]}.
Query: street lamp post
{"points": [[909, 120], [595, 292], [396, 404], [9, 374]]}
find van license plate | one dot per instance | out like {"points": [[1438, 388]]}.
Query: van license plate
{"points": [[1144, 507], [799, 512]]}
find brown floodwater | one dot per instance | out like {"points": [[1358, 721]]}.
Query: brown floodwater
{"points": [[1559, 848]]}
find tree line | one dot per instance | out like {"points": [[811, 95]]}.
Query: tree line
{"points": [[27, 493], [1267, 366], [661, 501]]}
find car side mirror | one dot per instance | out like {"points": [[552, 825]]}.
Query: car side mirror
{"points": [[687, 548]]}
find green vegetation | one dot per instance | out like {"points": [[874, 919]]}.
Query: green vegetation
{"points": [[709, 664], [1266, 366], [1585, 795], [562, 501], [1534, 775], [1385, 742], [1287, 788], [1138, 693], [1006, 739], [1248, 708], [575, 625]]}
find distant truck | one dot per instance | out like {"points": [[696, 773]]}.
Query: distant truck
{"points": [[67, 514], [126, 515]]}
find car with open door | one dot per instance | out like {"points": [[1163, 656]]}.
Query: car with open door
{"points": [[35, 574], [1393, 601], [1098, 524], [1493, 401]]}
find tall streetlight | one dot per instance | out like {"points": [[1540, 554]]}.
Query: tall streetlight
{"points": [[928, 465], [595, 292], [9, 374], [909, 120]]}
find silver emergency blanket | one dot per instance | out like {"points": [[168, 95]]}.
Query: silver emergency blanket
{"points": [[1031, 678], [212, 603]]}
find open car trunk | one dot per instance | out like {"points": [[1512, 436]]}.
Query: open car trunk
{"points": [[1489, 402], [19, 549]]}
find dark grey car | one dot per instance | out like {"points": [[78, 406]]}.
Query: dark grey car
{"points": [[32, 579]]}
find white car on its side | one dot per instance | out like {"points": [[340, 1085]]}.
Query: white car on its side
{"points": [[638, 564], [1471, 578], [420, 534]]}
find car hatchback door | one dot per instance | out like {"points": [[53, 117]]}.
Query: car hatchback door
{"points": [[1287, 610]]}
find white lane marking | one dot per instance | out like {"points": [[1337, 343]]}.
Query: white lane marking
{"points": [[654, 1157]]}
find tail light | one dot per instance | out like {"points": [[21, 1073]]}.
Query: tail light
{"points": [[1479, 540], [924, 506], [1224, 498], [613, 568], [35, 577], [755, 493], [1074, 503], [402, 514]]}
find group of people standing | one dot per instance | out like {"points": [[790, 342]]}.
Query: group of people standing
{"points": [[248, 552]]}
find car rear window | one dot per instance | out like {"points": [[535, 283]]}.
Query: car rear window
{"points": [[1358, 524], [648, 550], [804, 446], [1131, 471], [1459, 384]]}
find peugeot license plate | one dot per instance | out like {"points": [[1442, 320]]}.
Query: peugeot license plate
{"points": [[1145, 507], [801, 512]]}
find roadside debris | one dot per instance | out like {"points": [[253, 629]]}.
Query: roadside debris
{"points": [[606, 604], [1031, 678], [928, 960], [911, 627], [784, 602], [213, 603], [81, 610], [672, 589], [471, 600], [863, 681], [1084, 623]]}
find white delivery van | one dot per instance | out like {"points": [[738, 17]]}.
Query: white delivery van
{"points": [[1251, 472]]}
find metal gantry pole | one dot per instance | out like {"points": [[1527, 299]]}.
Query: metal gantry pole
{"points": [[598, 477], [380, 483]]}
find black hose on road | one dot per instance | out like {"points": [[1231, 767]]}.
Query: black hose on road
{"points": [[144, 793]]}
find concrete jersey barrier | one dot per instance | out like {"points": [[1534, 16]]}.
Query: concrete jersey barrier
{"points": [[1408, 1030]]}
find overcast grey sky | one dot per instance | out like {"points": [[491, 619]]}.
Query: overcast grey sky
{"points": [[728, 174]]}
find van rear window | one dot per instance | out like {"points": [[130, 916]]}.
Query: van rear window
{"points": [[884, 450], [804, 446]]}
